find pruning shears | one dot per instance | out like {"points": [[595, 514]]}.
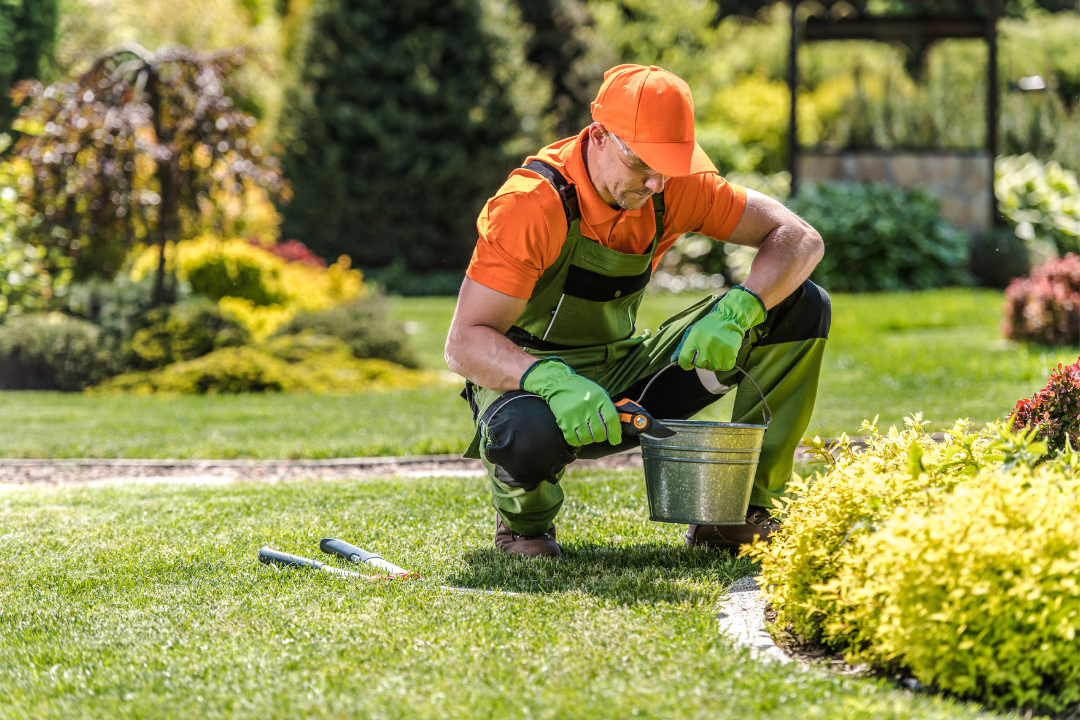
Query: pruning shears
{"points": [[636, 420]]}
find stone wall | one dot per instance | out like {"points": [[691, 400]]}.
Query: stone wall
{"points": [[961, 181]]}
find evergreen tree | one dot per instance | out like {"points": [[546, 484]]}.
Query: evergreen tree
{"points": [[394, 131], [27, 35]]}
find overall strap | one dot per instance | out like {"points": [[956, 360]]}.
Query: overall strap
{"points": [[567, 192]]}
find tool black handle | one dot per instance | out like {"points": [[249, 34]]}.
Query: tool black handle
{"points": [[333, 546], [269, 555]]}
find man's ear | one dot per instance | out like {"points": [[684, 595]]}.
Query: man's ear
{"points": [[597, 134]]}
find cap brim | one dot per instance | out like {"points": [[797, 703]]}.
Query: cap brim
{"points": [[674, 159]]}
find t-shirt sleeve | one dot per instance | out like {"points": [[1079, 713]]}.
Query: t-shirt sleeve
{"points": [[516, 242], [706, 204]]}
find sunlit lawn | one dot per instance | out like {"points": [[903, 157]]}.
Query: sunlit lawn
{"points": [[940, 353], [148, 602]]}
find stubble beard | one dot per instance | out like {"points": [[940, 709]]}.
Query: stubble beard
{"points": [[629, 199]]}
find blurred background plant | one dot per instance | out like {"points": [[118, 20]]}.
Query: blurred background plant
{"points": [[1044, 308], [392, 124]]}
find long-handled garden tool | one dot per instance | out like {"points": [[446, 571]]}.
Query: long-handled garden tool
{"points": [[342, 549]]}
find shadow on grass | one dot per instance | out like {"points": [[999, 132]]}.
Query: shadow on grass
{"points": [[626, 574]]}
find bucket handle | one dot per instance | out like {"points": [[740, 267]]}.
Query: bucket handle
{"points": [[673, 363]]}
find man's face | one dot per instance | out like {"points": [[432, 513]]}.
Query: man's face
{"points": [[629, 181]]}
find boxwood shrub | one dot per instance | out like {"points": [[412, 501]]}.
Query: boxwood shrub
{"points": [[878, 237]]}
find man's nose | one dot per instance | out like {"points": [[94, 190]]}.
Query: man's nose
{"points": [[656, 183]]}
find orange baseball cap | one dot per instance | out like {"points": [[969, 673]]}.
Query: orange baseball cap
{"points": [[653, 111]]}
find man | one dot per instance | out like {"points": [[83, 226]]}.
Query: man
{"points": [[544, 327]]}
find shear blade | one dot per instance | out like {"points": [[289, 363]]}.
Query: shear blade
{"points": [[659, 431]]}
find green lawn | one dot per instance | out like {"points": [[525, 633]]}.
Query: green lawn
{"points": [[148, 601], [891, 354]]}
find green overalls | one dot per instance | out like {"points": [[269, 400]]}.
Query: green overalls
{"points": [[583, 310]]}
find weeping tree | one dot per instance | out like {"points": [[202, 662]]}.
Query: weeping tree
{"points": [[141, 148]]}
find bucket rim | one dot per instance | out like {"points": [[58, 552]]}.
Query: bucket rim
{"points": [[709, 424]]}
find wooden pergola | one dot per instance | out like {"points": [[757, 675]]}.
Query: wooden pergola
{"points": [[971, 19]]}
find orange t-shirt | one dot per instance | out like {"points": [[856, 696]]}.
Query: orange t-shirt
{"points": [[522, 228]]}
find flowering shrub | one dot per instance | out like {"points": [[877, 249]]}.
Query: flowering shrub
{"points": [[252, 284], [1045, 307], [1055, 409]]}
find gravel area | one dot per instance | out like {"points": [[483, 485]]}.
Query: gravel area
{"points": [[89, 472]]}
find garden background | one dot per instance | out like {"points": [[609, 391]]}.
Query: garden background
{"points": [[234, 229]]}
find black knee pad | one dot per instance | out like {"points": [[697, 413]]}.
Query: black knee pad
{"points": [[803, 315], [523, 441]]}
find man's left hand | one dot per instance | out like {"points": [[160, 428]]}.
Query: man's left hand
{"points": [[713, 342]]}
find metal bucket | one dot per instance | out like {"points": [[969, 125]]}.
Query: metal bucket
{"points": [[702, 475]]}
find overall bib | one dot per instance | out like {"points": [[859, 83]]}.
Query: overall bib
{"points": [[583, 310]]}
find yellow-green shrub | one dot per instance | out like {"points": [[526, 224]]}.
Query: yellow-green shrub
{"points": [[978, 591], [954, 561], [828, 518], [303, 363], [258, 288]]}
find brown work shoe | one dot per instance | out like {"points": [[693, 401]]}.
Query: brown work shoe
{"points": [[531, 545], [730, 537]]}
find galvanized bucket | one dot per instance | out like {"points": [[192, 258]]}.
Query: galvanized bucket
{"points": [[703, 474]]}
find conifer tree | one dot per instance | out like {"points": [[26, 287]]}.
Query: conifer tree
{"points": [[393, 131], [27, 35]]}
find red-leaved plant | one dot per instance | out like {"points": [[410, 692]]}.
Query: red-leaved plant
{"points": [[1055, 409], [1045, 307], [292, 251]]}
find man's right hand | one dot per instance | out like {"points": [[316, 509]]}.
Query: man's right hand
{"points": [[582, 408]]}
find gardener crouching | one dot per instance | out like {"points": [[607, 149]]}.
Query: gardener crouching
{"points": [[544, 328]]}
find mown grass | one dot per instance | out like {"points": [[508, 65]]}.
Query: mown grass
{"points": [[147, 601], [893, 354]]}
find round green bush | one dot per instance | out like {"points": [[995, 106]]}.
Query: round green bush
{"points": [[183, 332], [52, 352], [878, 238]]}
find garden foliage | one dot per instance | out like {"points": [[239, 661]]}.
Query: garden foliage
{"points": [[303, 363], [140, 147], [260, 289], [1045, 307], [365, 326], [175, 333], [878, 237], [1041, 201], [27, 37], [394, 131], [954, 561], [52, 352], [1055, 410]]}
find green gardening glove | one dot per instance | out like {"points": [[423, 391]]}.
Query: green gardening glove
{"points": [[713, 342], [582, 408]]}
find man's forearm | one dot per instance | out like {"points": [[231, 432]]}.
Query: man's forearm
{"points": [[785, 259], [487, 358]]}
